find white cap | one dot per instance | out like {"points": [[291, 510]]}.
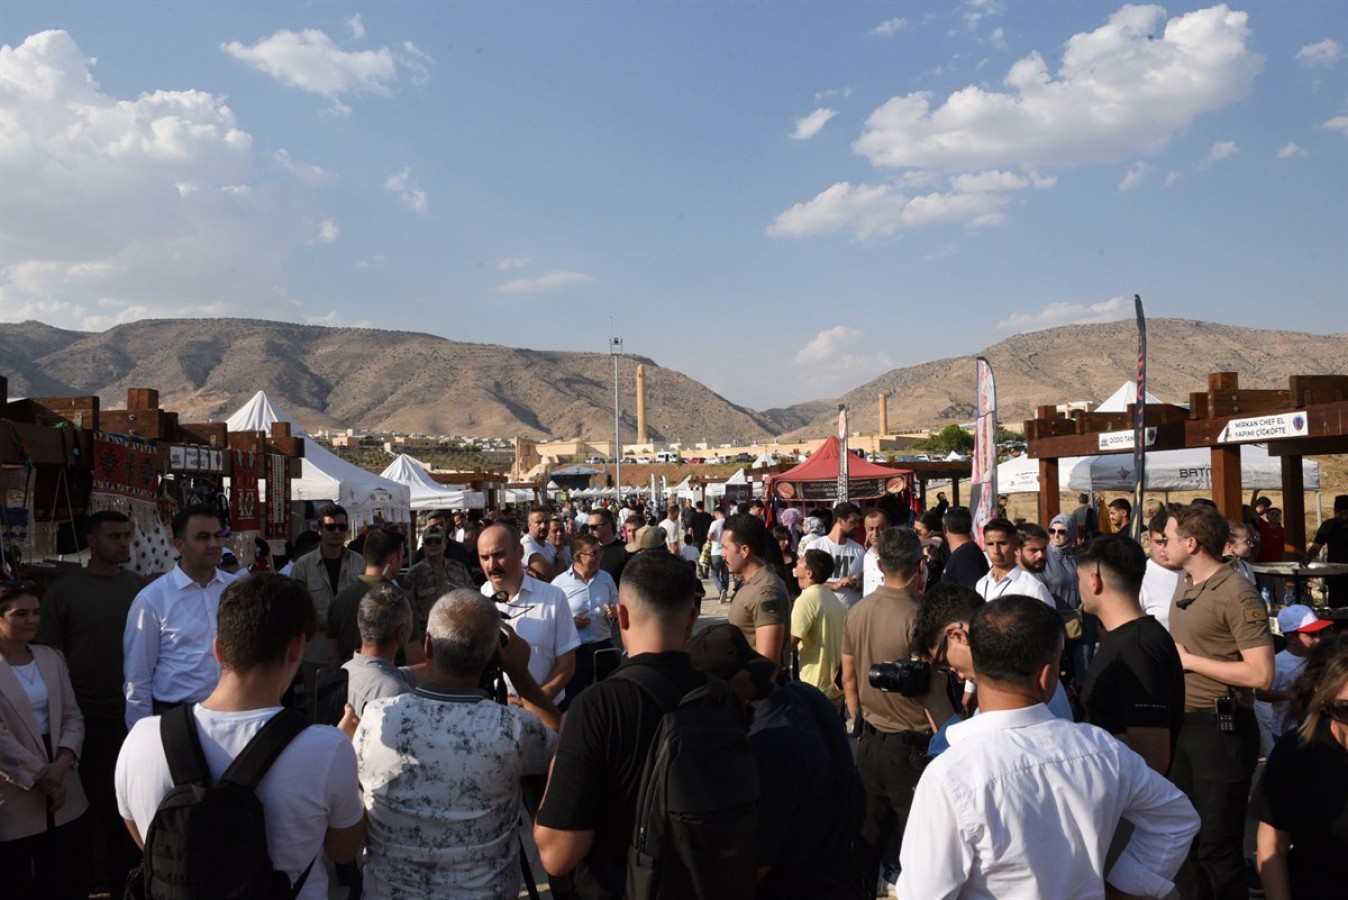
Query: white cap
{"points": [[1300, 618]]}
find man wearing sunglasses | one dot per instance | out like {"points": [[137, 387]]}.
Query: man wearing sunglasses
{"points": [[326, 572], [1220, 626]]}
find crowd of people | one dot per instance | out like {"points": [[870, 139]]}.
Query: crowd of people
{"points": [[893, 704]]}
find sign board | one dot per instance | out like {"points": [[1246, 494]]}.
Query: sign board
{"points": [[739, 493], [1264, 428], [828, 490], [1123, 440]]}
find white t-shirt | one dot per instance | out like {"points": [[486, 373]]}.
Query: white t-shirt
{"points": [[871, 577], [714, 535], [690, 553], [1158, 589], [310, 788], [35, 689], [533, 546], [671, 527], [848, 559]]}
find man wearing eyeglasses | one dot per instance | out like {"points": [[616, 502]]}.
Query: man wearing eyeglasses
{"points": [[325, 573], [1220, 626], [593, 599]]}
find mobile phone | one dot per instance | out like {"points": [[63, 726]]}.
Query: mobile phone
{"points": [[1226, 714]]}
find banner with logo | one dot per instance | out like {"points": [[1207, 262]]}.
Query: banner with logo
{"points": [[983, 490]]}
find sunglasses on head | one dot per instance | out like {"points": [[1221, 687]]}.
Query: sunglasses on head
{"points": [[22, 584], [335, 526]]}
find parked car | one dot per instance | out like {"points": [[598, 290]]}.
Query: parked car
{"points": [[744, 457], [666, 456], [596, 460], [697, 460]]}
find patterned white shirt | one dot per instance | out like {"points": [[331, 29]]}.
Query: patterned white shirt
{"points": [[440, 776]]}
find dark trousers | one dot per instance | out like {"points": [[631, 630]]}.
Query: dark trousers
{"points": [[103, 739], [1214, 770], [40, 867], [889, 766]]}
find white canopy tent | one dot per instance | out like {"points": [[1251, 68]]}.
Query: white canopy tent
{"points": [[326, 476], [1183, 470], [1126, 394], [1020, 474], [427, 493]]}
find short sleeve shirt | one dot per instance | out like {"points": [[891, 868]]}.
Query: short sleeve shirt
{"points": [[877, 630], [817, 619], [848, 562], [966, 565], [1220, 617], [1136, 680], [544, 621], [760, 601]]}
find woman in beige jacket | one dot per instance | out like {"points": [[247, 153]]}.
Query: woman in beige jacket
{"points": [[41, 736]]}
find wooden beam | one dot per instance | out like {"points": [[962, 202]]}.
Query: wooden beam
{"points": [[142, 398], [1322, 420], [207, 434], [1049, 487], [1248, 403], [1168, 437], [1316, 446], [142, 423], [42, 445], [1310, 389], [81, 412], [1293, 507], [1226, 487]]}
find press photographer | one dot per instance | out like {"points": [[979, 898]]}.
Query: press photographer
{"points": [[893, 728]]}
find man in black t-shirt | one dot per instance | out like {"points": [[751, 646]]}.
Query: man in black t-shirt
{"points": [[700, 523], [585, 821], [967, 564], [1135, 686], [1334, 535]]}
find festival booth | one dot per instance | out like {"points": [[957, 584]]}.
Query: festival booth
{"points": [[325, 476], [426, 492], [1179, 470], [816, 479]]}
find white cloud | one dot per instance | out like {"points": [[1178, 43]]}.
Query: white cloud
{"points": [[1338, 123], [310, 61], [1125, 88], [117, 209], [838, 357], [976, 11], [999, 180], [510, 263], [355, 27], [1135, 176], [409, 194], [998, 38], [549, 282], [1055, 314], [871, 210], [1221, 150], [327, 231], [841, 93], [309, 174], [1171, 177], [808, 126], [1326, 53], [889, 27], [1290, 150]]}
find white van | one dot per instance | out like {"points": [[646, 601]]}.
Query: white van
{"points": [[667, 456]]}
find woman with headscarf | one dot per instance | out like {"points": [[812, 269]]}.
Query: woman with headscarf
{"points": [[1060, 575], [814, 529], [790, 519]]}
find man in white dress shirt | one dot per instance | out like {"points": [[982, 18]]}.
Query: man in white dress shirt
{"points": [[166, 648], [1025, 804], [1005, 577], [537, 610]]}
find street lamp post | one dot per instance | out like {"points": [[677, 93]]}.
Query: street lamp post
{"points": [[615, 349]]}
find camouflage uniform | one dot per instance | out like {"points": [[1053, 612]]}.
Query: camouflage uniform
{"points": [[425, 585]]}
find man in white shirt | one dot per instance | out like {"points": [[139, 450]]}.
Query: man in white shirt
{"points": [[670, 524], [310, 797], [540, 555], [537, 610], [593, 599], [1158, 584], [719, 573], [166, 647], [848, 556], [1005, 577], [876, 521], [1026, 804]]}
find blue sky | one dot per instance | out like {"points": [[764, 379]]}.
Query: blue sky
{"points": [[782, 200]]}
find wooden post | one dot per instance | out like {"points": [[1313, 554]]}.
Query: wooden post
{"points": [[1293, 507], [1050, 504], [954, 491], [1226, 480]]}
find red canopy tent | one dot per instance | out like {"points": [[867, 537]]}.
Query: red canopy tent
{"points": [[816, 479]]}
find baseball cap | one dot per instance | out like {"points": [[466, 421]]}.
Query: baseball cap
{"points": [[434, 533], [648, 537], [723, 651], [1300, 618]]}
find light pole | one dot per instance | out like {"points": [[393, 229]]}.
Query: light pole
{"points": [[615, 349]]}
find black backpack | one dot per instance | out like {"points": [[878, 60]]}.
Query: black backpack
{"points": [[208, 841], [696, 832]]}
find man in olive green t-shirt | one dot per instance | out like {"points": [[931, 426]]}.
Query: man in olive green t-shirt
{"points": [[761, 608]]}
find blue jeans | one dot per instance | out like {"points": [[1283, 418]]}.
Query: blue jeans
{"points": [[720, 573]]}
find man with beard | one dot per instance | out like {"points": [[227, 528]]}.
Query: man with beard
{"points": [[1005, 576], [84, 616], [600, 525], [538, 611]]}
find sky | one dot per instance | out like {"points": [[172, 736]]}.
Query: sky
{"points": [[782, 200]]}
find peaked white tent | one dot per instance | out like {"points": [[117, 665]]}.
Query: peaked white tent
{"points": [[1020, 474], [426, 492], [1126, 394], [326, 476], [1183, 470]]}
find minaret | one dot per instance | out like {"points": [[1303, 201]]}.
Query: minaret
{"points": [[884, 414], [641, 404]]}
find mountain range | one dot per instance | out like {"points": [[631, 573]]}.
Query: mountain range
{"points": [[398, 381]]}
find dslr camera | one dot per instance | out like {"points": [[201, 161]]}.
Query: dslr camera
{"points": [[909, 677]]}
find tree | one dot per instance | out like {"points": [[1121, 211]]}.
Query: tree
{"points": [[953, 437]]}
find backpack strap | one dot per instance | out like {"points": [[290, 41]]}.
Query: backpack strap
{"points": [[182, 746], [258, 754], [663, 690]]}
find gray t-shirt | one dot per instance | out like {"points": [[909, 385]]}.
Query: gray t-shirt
{"points": [[372, 677]]}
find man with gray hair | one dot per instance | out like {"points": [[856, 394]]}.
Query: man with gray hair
{"points": [[385, 620], [440, 767]]}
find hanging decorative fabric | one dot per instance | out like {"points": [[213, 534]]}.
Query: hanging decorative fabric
{"points": [[244, 509], [278, 498], [126, 478]]}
